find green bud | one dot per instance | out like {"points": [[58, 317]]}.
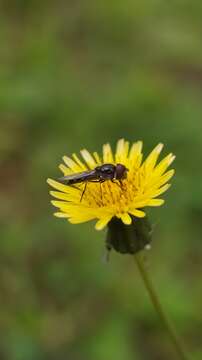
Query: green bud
{"points": [[128, 239]]}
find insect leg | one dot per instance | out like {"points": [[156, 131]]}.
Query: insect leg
{"points": [[101, 181], [94, 181], [117, 183], [83, 192], [121, 185], [101, 191]]}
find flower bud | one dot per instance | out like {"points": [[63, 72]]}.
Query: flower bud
{"points": [[128, 239]]}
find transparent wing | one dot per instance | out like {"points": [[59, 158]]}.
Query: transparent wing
{"points": [[79, 177]]}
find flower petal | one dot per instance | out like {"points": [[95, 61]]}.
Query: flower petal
{"points": [[81, 218], [88, 159], [60, 215], [126, 218], [121, 151], [60, 204], [135, 150], [156, 202], [58, 186], [101, 223], [135, 155], [140, 203], [160, 191], [79, 162], [166, 177], [151, 160], [65, 170], [137, 213], [71, 164], [97, 158], [163, 165], [107, 154], [66, 196], [158, 181]]}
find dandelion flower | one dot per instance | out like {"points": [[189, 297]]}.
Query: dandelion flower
{"points": [[146, 180]]}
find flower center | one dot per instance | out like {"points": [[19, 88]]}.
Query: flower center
{"points": [[117, 194]]}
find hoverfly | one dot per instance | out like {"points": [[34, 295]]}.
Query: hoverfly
{"points": [[100, 174]]}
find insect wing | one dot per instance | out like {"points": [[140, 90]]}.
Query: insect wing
{"points": [[79, 177]]}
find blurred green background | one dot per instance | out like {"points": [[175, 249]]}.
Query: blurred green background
{"points": [[78, 74]]}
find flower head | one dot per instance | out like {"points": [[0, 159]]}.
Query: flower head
{"points": [[145, 182]]}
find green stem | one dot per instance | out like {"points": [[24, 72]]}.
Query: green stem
{"points": [[158, 307]]}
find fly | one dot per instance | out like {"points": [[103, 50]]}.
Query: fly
{"points": [[100, 174]]}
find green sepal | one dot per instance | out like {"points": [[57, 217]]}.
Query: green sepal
{"points": [[128, 239]]}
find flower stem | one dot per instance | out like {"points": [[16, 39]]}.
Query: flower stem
{"points": [[158, 307]]}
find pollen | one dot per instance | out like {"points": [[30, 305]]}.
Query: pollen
{"points": [[146, 180]]}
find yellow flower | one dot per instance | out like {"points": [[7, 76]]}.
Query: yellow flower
{"points": [[145, 181]]}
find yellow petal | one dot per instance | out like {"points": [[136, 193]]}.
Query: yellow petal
{"points": [[120, 146], [161, 180], [120, 151], [126, 218], [58, 186], [82, 218], [97, 158], [126, 148], [88, 159], [166, 177], [101, 223], [135, 155], [66, 196], [60, 204], [71, 164], [107, 154], [141, 203], [65, 170], [156, 202], [137, 213], [135, 150], [60, 215], [160, 191], [151, 160], [79, 162], [163, 165]]}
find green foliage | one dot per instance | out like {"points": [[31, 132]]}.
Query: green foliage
{"points": [[78, 74]]}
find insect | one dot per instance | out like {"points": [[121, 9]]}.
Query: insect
{"points": [[100, 174]]}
